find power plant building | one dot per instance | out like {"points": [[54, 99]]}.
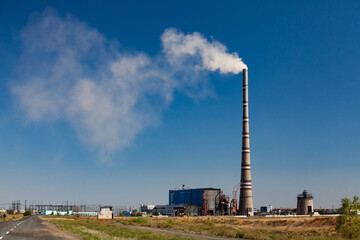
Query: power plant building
{"points": [[212, 201], [199, 202]]}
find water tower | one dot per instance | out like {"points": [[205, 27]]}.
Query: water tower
{"points": [[305, 204]]}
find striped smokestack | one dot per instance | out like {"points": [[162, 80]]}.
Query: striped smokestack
{"points": [[246, 200]]}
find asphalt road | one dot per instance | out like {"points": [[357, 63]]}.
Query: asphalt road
{"points": [[29, 228]]}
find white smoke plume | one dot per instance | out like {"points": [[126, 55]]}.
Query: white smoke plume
{"points": [[213, 55], [70, 71]]}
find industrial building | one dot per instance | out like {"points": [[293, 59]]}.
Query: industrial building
{"points": [[305, 204], [266, 209], [212, 201], [146, 209], [54, 212], [166, 210], [200, 202], [194, 202]]}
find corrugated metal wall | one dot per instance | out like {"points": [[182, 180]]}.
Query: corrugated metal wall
{"points": [[186, 197], [196, 197]]}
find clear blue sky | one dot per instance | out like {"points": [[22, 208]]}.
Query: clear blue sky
{"points": [[304, 84]]}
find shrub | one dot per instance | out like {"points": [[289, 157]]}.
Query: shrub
{"points": [[322, 212], [349, 223], [2, 214], [139, 220], [239, 234], [135, 213], [27, 213], [209, 223], [273, 237], [156, 213]]}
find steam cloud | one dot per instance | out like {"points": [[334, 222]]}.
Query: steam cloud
{"points": [[70, 71], [213, 55]]}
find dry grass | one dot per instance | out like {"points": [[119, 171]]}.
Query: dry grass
{"points": [[90, 228], [12, 217], [320, 227], [256, 228]]}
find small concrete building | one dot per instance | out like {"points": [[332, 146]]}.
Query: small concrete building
{"points": [[106, 213], [305, 204]]}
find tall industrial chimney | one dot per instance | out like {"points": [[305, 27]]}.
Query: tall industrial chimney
{"points": [[246, 199]]}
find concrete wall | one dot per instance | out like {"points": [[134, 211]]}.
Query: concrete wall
{"points": [[105, 213], [305, 206], [212, 197]]}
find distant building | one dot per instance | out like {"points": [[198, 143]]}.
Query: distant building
{"points": [[88, 214], [54, 212], [166, 210], [266, 209], [199, 202], [283, 211], [144, 208], [127, 213], [305, 204], [193, 202], [106, 213]]}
